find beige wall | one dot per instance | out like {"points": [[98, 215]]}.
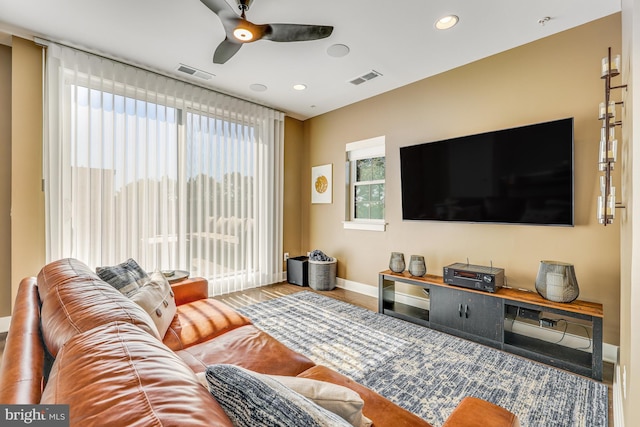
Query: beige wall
{"points": [[5, 181], [294, 150], [629, 367], [549, 79], [27, 198]]}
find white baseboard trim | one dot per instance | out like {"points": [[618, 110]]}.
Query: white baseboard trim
{"points": [[609, 351], [372, 291], [4, 324], [361, 288]]}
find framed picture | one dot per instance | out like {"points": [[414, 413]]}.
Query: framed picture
{"points": [[321, 183]]}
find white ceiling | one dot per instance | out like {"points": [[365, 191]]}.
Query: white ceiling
{"points": [[394, 38]]}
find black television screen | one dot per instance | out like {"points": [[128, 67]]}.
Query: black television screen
{"points": [[522, 175]]}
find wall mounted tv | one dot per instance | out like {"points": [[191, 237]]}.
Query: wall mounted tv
{"points": [[522, 175]]}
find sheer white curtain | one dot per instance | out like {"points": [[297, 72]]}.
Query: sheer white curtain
{"points": [[138, 165]]}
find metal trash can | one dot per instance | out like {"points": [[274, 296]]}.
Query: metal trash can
{"points": [[297, 271], [322, 274]]}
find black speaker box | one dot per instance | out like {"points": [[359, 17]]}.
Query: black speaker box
{"points": [[298, 271]]}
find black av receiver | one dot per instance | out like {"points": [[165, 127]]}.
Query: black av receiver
{"points": [[488, 279]]}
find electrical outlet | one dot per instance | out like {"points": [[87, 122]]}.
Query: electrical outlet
{"points": [[286, 256]]}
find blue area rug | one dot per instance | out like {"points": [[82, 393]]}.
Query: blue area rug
{"points": [[426, 371]]}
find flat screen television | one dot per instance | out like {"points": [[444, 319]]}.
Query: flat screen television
{"points": [[522, 175]]}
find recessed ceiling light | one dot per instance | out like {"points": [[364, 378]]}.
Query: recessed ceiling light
{"points": [[257, 87], [338, 50], [447, 22], [299, 87]]}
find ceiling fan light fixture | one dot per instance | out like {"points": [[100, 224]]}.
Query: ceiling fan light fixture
{"points": [[243, 34], [446, 22]]}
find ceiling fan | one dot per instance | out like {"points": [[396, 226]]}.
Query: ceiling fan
{"points": [[239, 30]]}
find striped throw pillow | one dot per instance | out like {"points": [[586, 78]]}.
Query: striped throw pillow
{"points": [[255, 400]]}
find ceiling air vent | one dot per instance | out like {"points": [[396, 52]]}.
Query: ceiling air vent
{"points": [[194, 72], [365, 77]]}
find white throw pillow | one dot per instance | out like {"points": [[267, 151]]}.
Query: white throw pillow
{"points": [[335, 398], [338, 399], [156, 298]]}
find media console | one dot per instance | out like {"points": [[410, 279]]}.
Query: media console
{"points": [[490, 319]]}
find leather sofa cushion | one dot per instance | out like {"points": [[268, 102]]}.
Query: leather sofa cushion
{"points": [[62, 271], [189, 290], [135, 381], [380, 410], [22, 368], [200, 321], [75, 300], [248, 347], [474, 412]]}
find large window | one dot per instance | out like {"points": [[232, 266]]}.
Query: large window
{"points": [[177, 177], [121, 174], [366, 183]]}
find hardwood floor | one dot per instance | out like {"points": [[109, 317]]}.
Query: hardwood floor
{"points": [[252, 296]]}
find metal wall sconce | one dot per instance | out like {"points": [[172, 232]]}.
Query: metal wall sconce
{"points": [[608, 151]]}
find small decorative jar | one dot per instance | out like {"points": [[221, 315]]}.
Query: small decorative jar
{"points": [[396, 263], [417, 266], [556, 281]]}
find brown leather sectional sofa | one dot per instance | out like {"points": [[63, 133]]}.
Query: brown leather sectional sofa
{"points": [[76, 340]]}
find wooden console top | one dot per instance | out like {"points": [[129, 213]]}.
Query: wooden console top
{"points": [[583, 307]]}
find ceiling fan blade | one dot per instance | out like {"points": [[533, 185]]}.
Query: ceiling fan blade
{"points": [[218, 6], [296, 32], [225, 50]]}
